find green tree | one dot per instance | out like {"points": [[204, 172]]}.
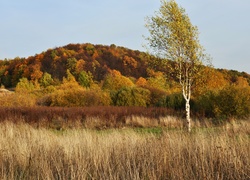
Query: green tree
{"points": [[71, 64], [85, 79], [174, 37], [90, 49], [132, 96], [174, 101], [69, 78], [46, 80], [6, 80], [24, 86], [232, 101], [158, 81], [69, 81]]}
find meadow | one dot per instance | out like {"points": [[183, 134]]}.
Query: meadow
{"points": [[140, 148]]}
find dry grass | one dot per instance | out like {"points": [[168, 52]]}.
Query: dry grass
{"points": [[30, 153]]}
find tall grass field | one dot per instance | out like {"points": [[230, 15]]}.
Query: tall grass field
{"points": [[28, 152]]}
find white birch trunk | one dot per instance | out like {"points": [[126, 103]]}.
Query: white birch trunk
{"points": [[186, 90], [188, 116]]}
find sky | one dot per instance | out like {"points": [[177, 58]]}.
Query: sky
{"points": [[29, 27]]}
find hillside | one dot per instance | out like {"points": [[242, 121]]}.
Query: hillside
{"points": [[82, 75], [96, 59]]}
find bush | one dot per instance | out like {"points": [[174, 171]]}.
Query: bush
{"points": [[96, 97], [232, 101], [132, 96], [204, 104], [78, 97], [18, 100], [174, 101], [25, 85], [157, 96], [46, 80]]}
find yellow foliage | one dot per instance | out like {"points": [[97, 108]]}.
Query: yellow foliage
{"points": [[152, 73], [210, 80], [80, 65], [115, 73], [141, 82], [115, 81], [18, 100], [242, 82], [80, 97], [69, 82]]}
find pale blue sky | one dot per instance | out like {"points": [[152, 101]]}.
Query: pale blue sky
{"points": [[29, 27]]}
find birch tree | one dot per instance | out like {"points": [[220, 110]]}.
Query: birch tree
{"points": [[173, 37]]}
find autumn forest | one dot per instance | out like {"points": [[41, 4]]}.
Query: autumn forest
{"points": [[83, 75]]}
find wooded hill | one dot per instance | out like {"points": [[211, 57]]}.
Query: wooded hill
{"points": [[99, 60], [96, 59], [99, 75]]}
